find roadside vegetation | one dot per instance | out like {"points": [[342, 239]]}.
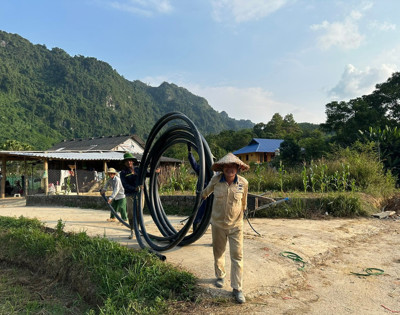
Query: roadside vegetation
{"points": [[108, 278], [350, 182], [347, 166]]}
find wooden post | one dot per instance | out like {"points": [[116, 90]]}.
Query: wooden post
{"points": [[76, 179], [46, 177], [25, 183], [3, 178]]}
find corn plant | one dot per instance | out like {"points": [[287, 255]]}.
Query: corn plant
{"points": [[313, 176], [323, 178], [259, 177], [282, 172], [334, 181], [304, 177], [344, 177], [353, 185]]}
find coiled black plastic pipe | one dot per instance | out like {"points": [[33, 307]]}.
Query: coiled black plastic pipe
{"points": [[179, 129]]}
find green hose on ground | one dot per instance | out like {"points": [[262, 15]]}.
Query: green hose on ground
{"points": [[294, 257], [369, 272]]}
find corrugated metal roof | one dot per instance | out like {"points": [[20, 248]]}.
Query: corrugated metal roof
{"points": [[260, 145], [97, 144], [78, 156]]}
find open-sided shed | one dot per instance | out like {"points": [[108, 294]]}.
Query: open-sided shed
{"points": [[76, 163]]}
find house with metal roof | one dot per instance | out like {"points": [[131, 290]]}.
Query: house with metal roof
{"points": [[259, 150]]}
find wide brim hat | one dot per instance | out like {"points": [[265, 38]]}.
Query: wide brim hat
{"points": [[230, 158], [129, 156], [111, 170]]}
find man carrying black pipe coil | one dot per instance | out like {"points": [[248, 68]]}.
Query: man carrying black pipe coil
{"points": [[130, 180], [230, 202]]}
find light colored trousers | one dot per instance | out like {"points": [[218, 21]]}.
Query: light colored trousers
{"points": [[235, 237]]}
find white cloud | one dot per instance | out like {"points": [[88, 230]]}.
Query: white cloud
{"points": [[355, 82], [389, 56], [143, 7], [244, 10], [254, 103], [343, 34], [383, 26]]}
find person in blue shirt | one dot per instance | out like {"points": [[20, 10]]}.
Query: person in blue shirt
{"points": [[130, 180]]}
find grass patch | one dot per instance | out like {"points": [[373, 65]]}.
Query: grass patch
{"points": [[312, 206], [104, 273], [24, 292]]}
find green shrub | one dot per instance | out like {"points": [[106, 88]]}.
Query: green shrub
{"points": [[366, 169], [320, 205], [343, 205]]}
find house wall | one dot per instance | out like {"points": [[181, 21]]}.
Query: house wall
{"points": [[130, 145], [251, 157], [269, 156], [256, 157]]}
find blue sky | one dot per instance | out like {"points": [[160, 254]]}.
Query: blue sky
{"points": [[250, 58]]}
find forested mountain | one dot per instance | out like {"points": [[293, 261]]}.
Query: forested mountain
{"points": [[48, 95]]}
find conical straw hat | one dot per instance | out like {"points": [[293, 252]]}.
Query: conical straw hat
{"points": [[112, 170], [229, 159]]}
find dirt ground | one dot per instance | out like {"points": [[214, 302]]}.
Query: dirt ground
{"points": [[273, 284]]}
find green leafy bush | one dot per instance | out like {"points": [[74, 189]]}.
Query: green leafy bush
{"points": [[343, 205], [177, 179]]}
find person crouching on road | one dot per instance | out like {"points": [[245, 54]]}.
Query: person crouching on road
{"points": [[230, 202], [117, 198]]}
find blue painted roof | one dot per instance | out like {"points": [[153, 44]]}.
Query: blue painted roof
{"points": [[260, 145]]}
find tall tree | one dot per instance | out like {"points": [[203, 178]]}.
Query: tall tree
{"points": [[290, 152], [290, 127], [387, 95], [315, 145], [258, 130], [377, 110], [14, 145], [274, 127]]}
